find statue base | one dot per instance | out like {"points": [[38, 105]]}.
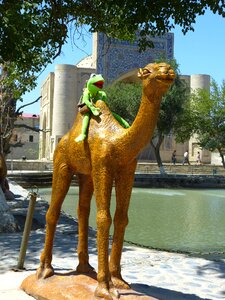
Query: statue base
{"points": [[71, 286]]}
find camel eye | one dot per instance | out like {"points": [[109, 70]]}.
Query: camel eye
{"points": [[146, 71]]}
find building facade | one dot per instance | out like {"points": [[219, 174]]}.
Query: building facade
{"points": [[117, 61], [25, 141], [62, 89]]}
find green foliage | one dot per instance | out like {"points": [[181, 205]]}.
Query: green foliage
{"points": [[32, 32], [124, 99], [15, 81], [174, 110], [183, 129], [208, 109], [173, 105], [39, 25]]}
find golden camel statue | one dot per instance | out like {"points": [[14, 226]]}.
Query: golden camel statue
{"points": [[109, 154]]}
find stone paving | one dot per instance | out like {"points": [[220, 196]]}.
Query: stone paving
{"points": [[160, 274]]}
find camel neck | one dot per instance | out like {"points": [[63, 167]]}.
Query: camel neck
{"points": [[142, 129]]}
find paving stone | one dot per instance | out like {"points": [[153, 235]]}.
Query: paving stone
{"points": [[168, 276]]}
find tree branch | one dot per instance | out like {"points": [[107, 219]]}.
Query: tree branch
{"points": [[18, 110], [28, 127], [16, 145]]}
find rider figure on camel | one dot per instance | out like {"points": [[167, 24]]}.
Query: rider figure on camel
{"points": [[93, 92]]}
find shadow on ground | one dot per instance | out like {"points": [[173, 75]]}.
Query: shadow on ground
{"points": [[163, 294]]}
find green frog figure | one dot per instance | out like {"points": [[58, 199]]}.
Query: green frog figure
{"points": [[93, 92]]}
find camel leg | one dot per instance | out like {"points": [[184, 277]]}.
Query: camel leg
{"points": [[102, 188], [123, 185], [83, 212], [60, 185]]}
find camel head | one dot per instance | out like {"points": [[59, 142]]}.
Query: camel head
{"points": [[156, 78]]}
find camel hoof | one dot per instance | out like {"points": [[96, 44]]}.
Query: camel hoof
{"points": [[113, 291], [120, 283], [39, 272], [44, 272], [85, 268], [102, 293]]}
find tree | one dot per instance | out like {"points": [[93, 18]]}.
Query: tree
{"points": [[9, 92], [208, 118], [124, 99], [13, 85], [173, 106], [32, 32], [7, 109]]}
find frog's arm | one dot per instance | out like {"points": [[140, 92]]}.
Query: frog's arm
{"points": [[122, 122], [104, 97], [86, 96]]}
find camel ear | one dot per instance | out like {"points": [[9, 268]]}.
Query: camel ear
{"points": [[140, 73]]}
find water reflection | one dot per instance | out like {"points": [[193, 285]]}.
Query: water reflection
{"points": [[170, 219]]}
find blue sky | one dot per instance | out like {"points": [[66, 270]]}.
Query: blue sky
{"points": [[198, 52]]}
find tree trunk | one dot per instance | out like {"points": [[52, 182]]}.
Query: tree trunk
{"points": [[156, 148], [3, 173], [7, 220], [222, 156]]}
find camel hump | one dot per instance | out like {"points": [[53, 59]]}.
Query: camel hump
{"points": [[105, 120], [102, 104]]}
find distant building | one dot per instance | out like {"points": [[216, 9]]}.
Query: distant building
{"points": [[24, 140], [117, 61], [61, 91]]}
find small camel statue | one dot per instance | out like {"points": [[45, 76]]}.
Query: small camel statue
{"points": [[108, 155]]}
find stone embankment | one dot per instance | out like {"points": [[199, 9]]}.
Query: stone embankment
{"points": [[179, 169], [147, 175], [179, 180], [186, 176]]}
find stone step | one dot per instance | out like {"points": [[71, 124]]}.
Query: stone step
{"points": [[180, 169]]}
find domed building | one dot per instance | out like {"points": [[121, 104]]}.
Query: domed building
{"points": [[115, 60]]}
